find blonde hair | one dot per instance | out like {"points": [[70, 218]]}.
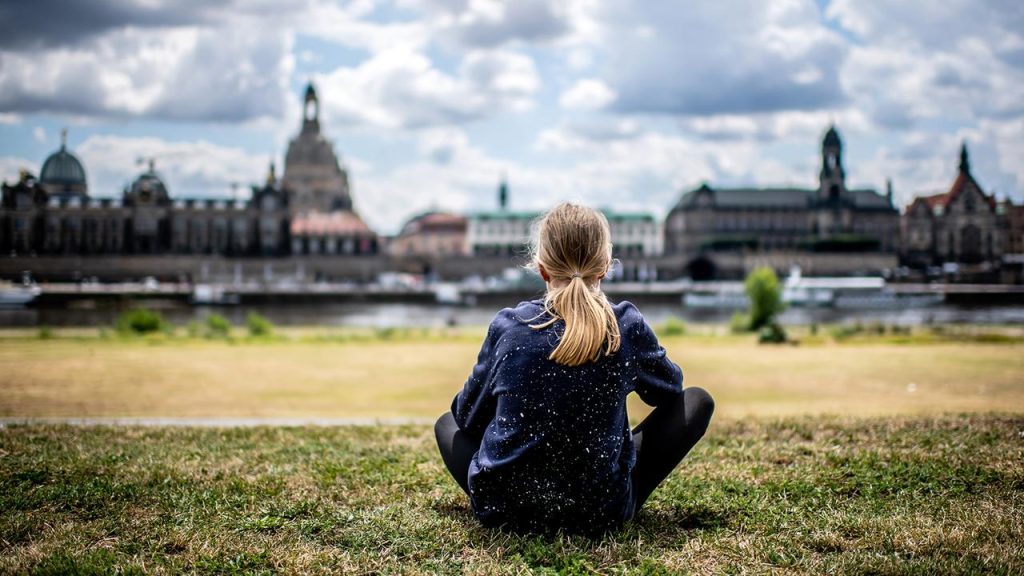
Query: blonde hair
{"points": [[573, 243]]}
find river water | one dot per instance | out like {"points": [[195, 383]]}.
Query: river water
{"points": [[375, 315]]}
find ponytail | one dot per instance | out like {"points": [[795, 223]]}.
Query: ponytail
{"points": [[573, 243]]}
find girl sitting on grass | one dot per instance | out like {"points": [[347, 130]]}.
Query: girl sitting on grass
{"points": [[538, 437]]}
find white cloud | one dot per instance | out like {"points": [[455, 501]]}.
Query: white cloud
{"points": [[11, 167], [493, 23], [769, 127], [189, 169], [8, 118], [587, 94], [39, 134], [730, 57], [402, 89], [180, 73]]}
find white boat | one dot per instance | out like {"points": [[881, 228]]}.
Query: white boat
{"points": [[213, 295], [453, 295], [857, 292], [17, 295]]}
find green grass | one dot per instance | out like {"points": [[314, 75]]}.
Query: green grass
{"points": [[899, 495]]}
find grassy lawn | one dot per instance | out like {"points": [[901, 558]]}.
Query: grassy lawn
{"points": [[814, 495], [415, 376]]}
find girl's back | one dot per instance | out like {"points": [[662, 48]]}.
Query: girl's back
{"points": [[539, 437], [556, 447]]}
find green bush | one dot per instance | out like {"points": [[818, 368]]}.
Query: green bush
{"points": [[739, 323], [194, 329], [772, 334], [765, 294], [259, 325], [217, 326], [45, 333], [672, 327], [139, 321], [846, 331]]}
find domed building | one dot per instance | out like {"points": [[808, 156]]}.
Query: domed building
{"points": [[312, 174], [147, 189], [323, 218], [308, 212], [63, 173]]}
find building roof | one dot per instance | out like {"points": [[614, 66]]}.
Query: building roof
{"points": [[962, 181], [434, 221], [750, 197], [63, 168], [505, 215], [340, 223], [531, 215], [870, 200], [149, 185]]}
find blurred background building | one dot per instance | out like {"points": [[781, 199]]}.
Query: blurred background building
{"points": [[53, 227]]}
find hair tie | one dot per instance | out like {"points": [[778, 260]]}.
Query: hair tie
{"points": [[575, 275]]}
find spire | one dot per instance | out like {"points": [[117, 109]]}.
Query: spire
{"points": [[152, 165], [888, 190], [965, 164], [311, 109], [831, 139], [503, 192], [271, 176], [63, 138]]}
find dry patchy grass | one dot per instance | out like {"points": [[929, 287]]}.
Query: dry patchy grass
{"points": [[416, 377]]}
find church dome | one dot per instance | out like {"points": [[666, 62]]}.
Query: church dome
{"points": [[148, 188], [62, 167]]}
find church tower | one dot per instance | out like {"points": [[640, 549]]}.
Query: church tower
{"points": [[314, 178], [832, 178]]}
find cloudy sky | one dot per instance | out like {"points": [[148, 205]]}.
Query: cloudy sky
{"points": [[428, 102]]}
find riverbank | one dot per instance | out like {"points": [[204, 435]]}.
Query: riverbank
{"points": [[811, 495], [413, 373]]}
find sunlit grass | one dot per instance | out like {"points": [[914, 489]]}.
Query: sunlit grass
{"points": [[414, 374]]}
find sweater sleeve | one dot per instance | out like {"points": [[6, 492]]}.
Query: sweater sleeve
{"points": [[659, 379], [474, 407]]}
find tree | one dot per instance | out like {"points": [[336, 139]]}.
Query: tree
{"points": [[765, 294]]}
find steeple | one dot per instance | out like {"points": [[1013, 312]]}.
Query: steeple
{"points": [[965, 164], [63, 138], [311, 110], [503, 193], [832, 177], [271, 176]]}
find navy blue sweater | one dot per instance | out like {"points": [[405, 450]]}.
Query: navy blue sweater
{"points": [[556, 449]]}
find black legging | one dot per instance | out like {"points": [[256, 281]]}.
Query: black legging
{"points": [[662, 441]]}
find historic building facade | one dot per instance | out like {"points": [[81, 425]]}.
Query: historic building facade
{"points": [[636, 237], [963, 225], [310, 212], [431, 234], [829, 218]]}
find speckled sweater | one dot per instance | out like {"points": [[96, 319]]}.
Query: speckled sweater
{"points": [[556, 449]]}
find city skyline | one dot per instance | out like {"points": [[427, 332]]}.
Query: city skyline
{"points": [[428, 103]]}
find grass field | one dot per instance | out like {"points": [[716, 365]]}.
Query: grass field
{"points": [[813, 495], [839, 455], [415, 376]]}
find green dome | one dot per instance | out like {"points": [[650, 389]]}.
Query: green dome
{"points": [[148, 187], [62, 168]]}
